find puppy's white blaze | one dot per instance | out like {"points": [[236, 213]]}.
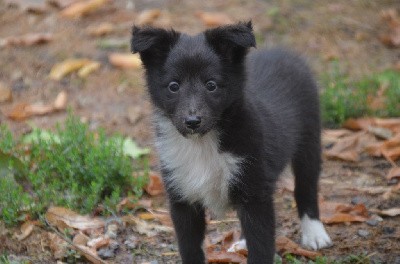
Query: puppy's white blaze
{"points": [[314, 235], [237, 246], [200, 172]]}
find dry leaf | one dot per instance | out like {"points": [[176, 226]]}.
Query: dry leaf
{"points": [[388, 212], [358, 124], [333, 213], [26, 40], [373, 190], [345, 149], [90, 254], [225, 257], [330, 136], [214, 19], [35, 6], [88, 69], [391, 39], [147, 17], [132, 203], [101, 29], [82, 8], [70, 65], [5, 93], [149, 229], [284, 245], [26, 230], [62, 3], [23, 110], [99, 242], [155, 185], [57, 245], [80, 239], [393, 173], [125, 60], [146, 216], [65, 218]]}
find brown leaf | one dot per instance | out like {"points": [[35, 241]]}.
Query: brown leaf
{"points": [[359, 124], [333, 135], [102, 29], [62, 3], [80, 239], [392, 38], [88, 69], [5, 93], [80, 9], [26, 230], [147, 17], [90, 254], [333, 212], [213, 19], [284, 245], [155, 185], [57, 246], [99, 242], [22, 111], [67, 66], [388, 212], [34, 6], [65, 218], [230, 238], [27, 40], [225, 257], [132, 203], [125, 60], [345, 149], [393, 173]]}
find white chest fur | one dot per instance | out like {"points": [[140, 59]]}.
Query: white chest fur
{"points": [[200, 172]]}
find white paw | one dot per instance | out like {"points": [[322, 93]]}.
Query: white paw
{"points": [[237, 246], [314, 235]]}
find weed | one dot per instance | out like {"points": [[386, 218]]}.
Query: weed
{"points": [[376, 95], [72, 167]]}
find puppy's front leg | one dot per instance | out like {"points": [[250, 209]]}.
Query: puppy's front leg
{"points": [[189, 222], [258, 225]]}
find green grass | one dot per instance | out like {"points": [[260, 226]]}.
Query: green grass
{"points": [[343, 98], [72, 167]]}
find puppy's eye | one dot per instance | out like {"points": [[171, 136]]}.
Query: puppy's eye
{"points": [[211, 86], [173, 87]]}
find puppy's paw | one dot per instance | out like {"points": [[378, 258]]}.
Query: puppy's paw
{"points": [[314, 235], [238, 246]]}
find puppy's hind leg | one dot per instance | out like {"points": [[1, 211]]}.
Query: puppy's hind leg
{"points": [[306, 168]]}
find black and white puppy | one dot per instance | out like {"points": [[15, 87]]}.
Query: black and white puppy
{"points": [[227, 125]]}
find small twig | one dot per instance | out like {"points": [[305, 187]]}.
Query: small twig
{"points": [[66, 239]]}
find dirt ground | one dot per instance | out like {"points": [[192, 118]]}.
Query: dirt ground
{"points": [[320, 30]]}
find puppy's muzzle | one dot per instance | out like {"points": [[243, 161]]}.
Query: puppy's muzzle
{"points": [[192, 122]]}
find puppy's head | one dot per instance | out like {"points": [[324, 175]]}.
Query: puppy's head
{"points": [[193, 80]]}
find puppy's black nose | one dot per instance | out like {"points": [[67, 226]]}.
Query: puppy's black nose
{"points": [[192, 122]]}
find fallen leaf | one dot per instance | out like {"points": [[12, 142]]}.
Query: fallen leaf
{"points": [[213, 19], [392, 38], [388, 212], [125, 60], [26, 40], [393, 173], [5, 93], [80, 9], [230, 238], [225, 257], [80, 239], [373, 190], [345, 149], [88, 69], [65, 218], [57, 246], [22, 111], [332, 135], [146, 216], [284, 246], [98, 242], [90, 254], [333, 212], [147, 17], [131, 149], [155, 185], [101, 29], [359, 123], [70, 65], [132, 203], [26, 230], [149, 229], [381, 132]]}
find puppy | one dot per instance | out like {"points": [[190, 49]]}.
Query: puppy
{"points": [[227, 124]]}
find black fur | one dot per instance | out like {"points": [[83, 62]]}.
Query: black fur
{"points": [[266, 110]]}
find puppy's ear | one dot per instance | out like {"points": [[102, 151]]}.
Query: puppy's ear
{"points": [[153, 44], [233, 41]]}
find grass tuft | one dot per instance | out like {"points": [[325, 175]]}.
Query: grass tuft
{"points": [[73, 167]]}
